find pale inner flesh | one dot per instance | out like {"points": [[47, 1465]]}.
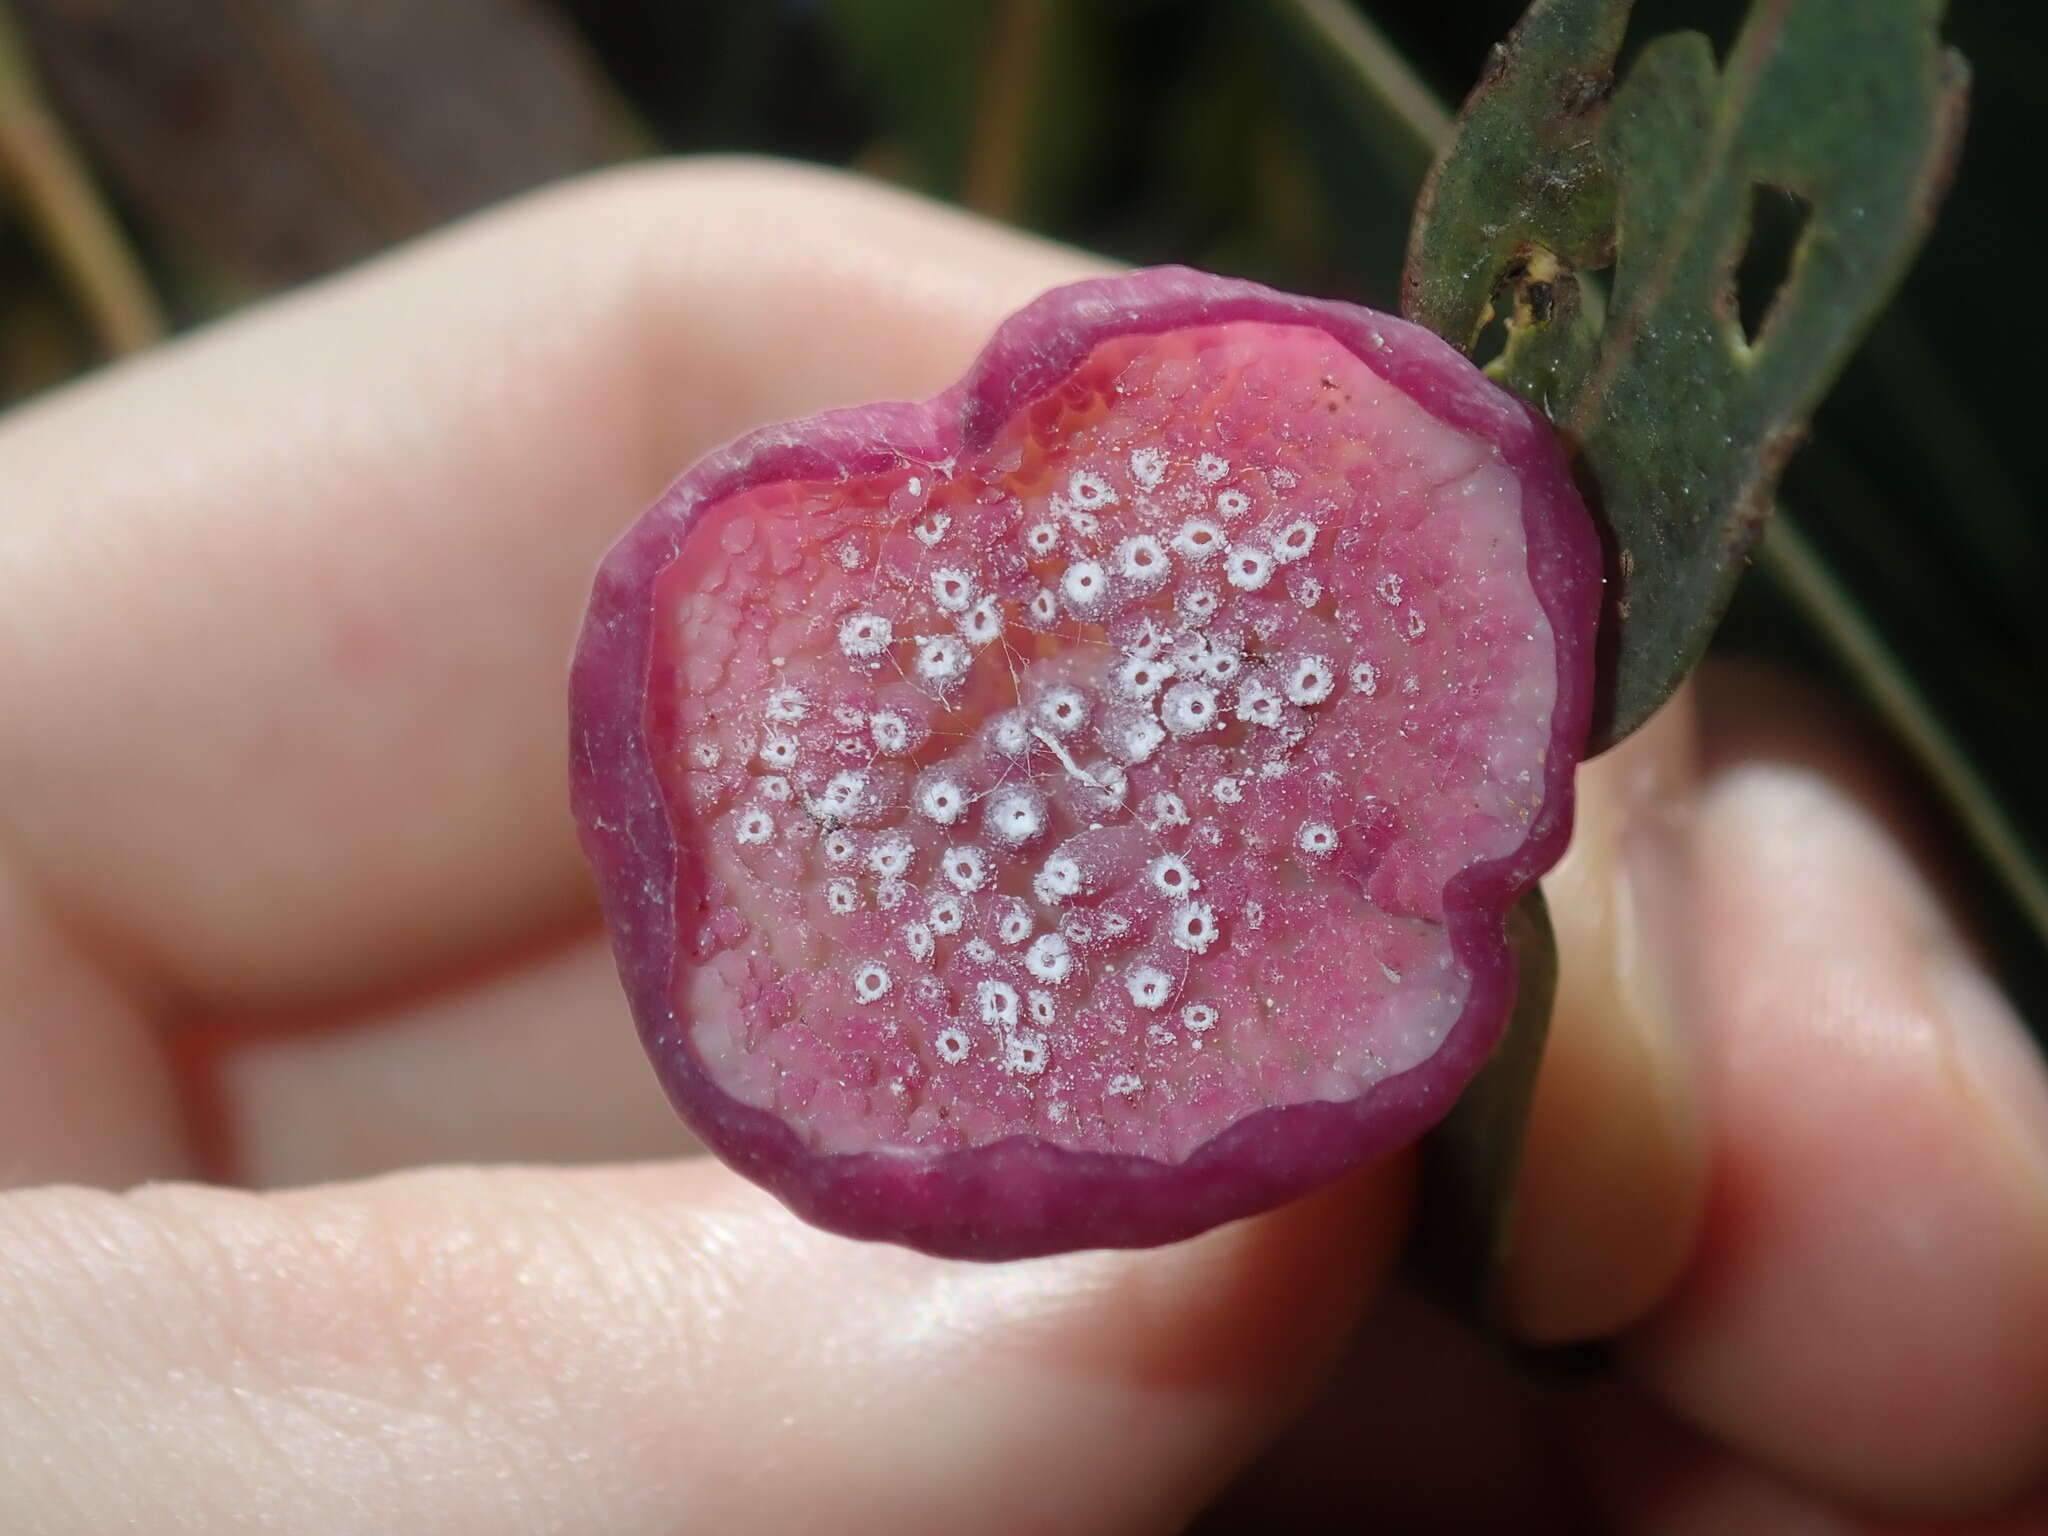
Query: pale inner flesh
{"points": [[1102, 787]]}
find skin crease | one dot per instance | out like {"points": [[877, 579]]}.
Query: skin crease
{"points": [[374, 1094], [289, 603]]}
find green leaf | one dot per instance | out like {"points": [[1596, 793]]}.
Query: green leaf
{"points": [[1943, 699], [1472, 1160], [1521, 201], [1680, 421]]}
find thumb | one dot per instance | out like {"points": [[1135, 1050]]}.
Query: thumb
{"points": [[635, 1349]]}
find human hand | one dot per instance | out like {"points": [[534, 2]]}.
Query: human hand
{"points": [[289, 895]]}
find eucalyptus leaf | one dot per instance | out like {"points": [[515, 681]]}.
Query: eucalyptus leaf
{"points": [[1680, 421], [1521, 201], [1515, 218], [1472, 1159], [1867, 606]]}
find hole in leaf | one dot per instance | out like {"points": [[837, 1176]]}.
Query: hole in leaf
{"points": [[1777, 219], [1492, 339]]}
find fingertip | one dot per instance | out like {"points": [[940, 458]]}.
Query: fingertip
{"points": [[1864, 1311]]}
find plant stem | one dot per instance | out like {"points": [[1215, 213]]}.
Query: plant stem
{"points": [[992, 182], [1402, 94], [1863, 652], [49, 178]]}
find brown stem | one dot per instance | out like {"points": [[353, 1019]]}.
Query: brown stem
{"points": [[50, 181], [993, 179]]}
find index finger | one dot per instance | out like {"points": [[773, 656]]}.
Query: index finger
{"points": [[293, 599]]}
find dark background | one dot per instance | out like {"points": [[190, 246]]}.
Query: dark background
{"points": [[162, 161]]}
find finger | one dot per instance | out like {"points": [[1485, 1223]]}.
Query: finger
{"points": [[291, 602], [1613, 1175], [293, 598], [1864, 1311], [635, 1350], [535, 1063]]}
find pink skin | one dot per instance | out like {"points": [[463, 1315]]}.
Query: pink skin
{"points": [[1356, 989]]}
